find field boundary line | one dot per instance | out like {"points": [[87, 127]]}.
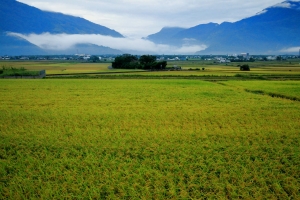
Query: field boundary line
{"points": [[272, 94], [261, 92]]}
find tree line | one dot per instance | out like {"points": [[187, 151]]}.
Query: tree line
{"points": [[147, 62]]}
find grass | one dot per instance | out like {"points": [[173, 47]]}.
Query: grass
{"points": [[148, 139]]}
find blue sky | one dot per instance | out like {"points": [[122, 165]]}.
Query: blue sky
{"points": [[139, 18]]}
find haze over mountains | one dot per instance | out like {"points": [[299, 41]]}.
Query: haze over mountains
{"points": [[275, 30]]}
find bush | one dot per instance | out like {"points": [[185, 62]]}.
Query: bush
{"points": [[245, 68], [11, 71]]}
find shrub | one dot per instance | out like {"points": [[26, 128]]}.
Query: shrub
{"points": [[11, 71], [245, 68]]}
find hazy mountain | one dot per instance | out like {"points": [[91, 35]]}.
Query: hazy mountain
{"points": [[269, 31], [165, 35], [86, 49], [18, 46], [21, 18]]}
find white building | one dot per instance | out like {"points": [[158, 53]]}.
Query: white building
{"points": [[245, 55]]}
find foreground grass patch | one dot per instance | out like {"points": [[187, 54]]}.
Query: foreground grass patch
{"points": [[145, 139]]}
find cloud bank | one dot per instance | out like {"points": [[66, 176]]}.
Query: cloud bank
{"points": [[291, 50], [49, 41]]}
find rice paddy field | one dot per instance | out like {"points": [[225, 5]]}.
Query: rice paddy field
{"points": [[56, 67], [149, 139], [72, 68]]}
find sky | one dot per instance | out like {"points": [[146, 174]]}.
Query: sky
{"points": [[140, 18]]}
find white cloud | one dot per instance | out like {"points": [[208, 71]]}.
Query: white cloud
{"points": [[262, 12], [64, 41], [288, 4], [140, 18], [291, 50], [282, 5]]}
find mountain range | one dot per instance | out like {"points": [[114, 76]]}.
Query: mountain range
{"points": [[273, 29], [267, 32], [21, 18]]}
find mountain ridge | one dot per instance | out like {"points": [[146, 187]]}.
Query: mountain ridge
{"points": [[273, 29], [24, 19]]}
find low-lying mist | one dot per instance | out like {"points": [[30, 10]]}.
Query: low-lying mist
{"points": [[58, 42]]}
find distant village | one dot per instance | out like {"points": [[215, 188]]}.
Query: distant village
{"points": [[242, 57]]}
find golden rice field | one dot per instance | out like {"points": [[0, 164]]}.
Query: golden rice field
{"points": [[289, 89], [148, 139], [56, 67], [210, 69]]}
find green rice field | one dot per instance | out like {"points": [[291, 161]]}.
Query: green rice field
{"points": [[149, 139]]}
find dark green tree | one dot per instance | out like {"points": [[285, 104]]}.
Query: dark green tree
{"points": [[278, 58], [126, 61], [160, 65], [251, 60], [245, 68], [147, 61], [94, 59]]}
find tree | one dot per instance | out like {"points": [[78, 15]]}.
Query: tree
{"points": [[278, 58], [94, 59], [158, 65], [147, 61], [244, 68], [162, 64], [126, 61]]}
